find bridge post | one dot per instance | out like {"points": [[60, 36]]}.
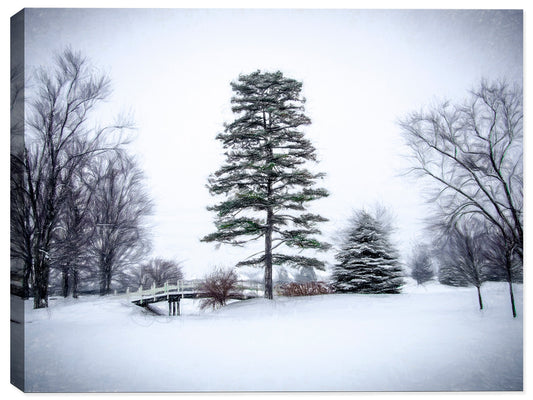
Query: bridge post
{"points": [[141, 293], [174, 305]]}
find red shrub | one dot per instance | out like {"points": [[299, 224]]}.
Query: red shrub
{"points": [[305, 289], [218, 286]]}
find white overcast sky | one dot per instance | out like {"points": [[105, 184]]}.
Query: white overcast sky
{"points": [[361, 71]]}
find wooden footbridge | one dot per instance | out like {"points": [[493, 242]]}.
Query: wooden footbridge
{"points": [[187, 290]]}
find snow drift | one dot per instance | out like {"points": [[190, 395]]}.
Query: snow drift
{"points": [[429, 338]]}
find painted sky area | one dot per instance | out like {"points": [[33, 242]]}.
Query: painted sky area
{"points": [[362, 70]]}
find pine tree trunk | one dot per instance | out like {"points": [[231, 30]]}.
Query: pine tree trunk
{"points": [[268, 256], [270, 226]]}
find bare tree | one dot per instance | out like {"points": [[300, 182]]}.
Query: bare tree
{"points": [[70, 247], [498, 253], [21, 230], [59, 141], [473, 151], [158, 271], [21, 235], [462, 253], [136, 277], [121, 205]]}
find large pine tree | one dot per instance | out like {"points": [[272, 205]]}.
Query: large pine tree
{"points": [[263, 179], [368, 263]]}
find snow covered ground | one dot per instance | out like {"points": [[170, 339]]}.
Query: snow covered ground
{"points": [[430, 338]]}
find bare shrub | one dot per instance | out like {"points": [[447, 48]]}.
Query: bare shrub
{"points": [[218, 286], [305, 289]]}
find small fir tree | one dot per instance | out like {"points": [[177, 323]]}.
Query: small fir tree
{"points": [[368, 262], [421, 265]]}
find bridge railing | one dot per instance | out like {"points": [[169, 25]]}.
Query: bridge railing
{"points": [[184, 286]]}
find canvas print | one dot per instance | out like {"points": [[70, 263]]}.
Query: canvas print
{"points": [[266, 200]]}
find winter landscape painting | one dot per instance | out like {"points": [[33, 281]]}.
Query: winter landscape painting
{"points": [[266, 200]]}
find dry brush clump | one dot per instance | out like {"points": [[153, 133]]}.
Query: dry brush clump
{"points": [[218, 286], [305, 289]]}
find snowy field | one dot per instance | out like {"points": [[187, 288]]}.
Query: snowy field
{"points": [[431, 338]]}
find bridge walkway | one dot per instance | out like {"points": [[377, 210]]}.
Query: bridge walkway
{"points": [[187, 290]]}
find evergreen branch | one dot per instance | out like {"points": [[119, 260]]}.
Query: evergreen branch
{"points": [[297, 261]]}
